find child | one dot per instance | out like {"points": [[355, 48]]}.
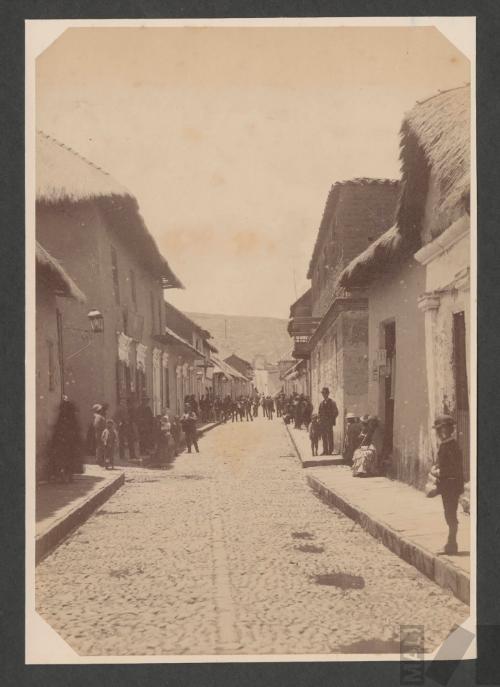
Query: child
{"points": [[314, 434], [109, 439], [450, 477], [188, 424]]}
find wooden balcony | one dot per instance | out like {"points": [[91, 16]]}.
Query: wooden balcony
{"points": [[302, 347], [303, 326]]}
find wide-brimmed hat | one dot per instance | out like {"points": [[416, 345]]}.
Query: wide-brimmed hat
{"points": [[443, 420], [350, 416], [325, 388], [365, 418], [97, 407]]}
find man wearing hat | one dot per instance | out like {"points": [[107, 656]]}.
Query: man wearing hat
{"points": [[99, 425], [327, 413], [450, 477]]}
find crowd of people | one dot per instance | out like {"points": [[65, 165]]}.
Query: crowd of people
{"points": [[135, 428]]}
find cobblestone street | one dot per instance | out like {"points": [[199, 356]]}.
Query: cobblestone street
{"points": [[230, 552]]}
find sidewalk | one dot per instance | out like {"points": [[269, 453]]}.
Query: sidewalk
{"points": [[403, 518], [62, 507]]}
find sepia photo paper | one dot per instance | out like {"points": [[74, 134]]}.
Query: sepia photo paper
{"points": [[251, 326]]}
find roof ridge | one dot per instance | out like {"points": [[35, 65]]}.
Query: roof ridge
{"points": [[440, 92], [365, 180], [74, 152]]}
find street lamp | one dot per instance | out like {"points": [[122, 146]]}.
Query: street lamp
{"points": [[96, 321]]}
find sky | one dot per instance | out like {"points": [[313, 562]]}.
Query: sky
{"points": [[230, 138]]}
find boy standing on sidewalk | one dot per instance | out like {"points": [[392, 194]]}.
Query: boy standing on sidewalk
{"points": [[188, 424], [450, 477], [110, 441]]}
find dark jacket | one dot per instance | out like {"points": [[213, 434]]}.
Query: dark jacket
{"points": [[328, 412], [449, 460]]}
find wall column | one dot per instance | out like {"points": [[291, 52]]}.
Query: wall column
{"points": [[429, 304]]}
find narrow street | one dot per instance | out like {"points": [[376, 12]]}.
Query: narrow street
{"points": [[230, 552]]}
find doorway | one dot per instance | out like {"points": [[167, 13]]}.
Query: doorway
{"points": [[461, 388], [389, 386]]}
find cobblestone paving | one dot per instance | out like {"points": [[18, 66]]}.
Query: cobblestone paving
{"points": [[230, 552]]}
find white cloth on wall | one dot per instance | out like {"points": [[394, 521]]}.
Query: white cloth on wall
{"points": [[140, 356], [124, 345]]}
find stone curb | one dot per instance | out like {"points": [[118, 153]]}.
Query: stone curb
{"points": [[47, 541], [207, 428], [312, 463], [440, 570]]}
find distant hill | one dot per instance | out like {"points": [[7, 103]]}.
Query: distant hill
{"points": [[247, 336]]}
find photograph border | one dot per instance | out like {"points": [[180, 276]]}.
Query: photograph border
{"points": [[13, 282]]}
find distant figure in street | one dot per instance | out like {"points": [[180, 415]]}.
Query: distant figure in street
{"points": [[299, 412], [314, 434], [144, 416], [65, 446], [450, 477], [110, 443], [235, 409], [176, 433], [188, 423], [131, 428], [270, 408], [248, 410], [307, 411], [99, 424], [328, 413], [351, 441], [241, 409], [256, 406]]}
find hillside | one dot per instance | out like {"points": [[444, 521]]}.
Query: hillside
{"points": [[247, 336]]}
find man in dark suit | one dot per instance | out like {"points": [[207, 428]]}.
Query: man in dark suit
{"points": [[328, 413]]}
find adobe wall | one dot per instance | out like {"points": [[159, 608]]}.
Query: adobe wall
{"points": [[363, 212], [395, 299], [77, 236], [47, 399]]}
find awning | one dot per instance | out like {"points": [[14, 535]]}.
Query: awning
{"points": [[219, 370], [170, 338], [294, 371], [227, 370]]}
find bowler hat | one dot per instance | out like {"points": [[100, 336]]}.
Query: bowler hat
{"points": [[325, 388], [365, 418], [442, 420]]}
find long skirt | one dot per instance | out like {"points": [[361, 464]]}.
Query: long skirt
{"points": [[364, 461]]}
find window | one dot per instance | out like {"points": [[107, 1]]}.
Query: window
{"points": [[133, 292], [50, 355], [114, 271], [159, 317]]}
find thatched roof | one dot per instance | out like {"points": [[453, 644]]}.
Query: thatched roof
{"points": [[435, 137], [51, 272], [64, 176], [331, 202], [380, 257]]}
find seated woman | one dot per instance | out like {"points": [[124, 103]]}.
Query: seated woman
{"points": [[365, 463]]}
